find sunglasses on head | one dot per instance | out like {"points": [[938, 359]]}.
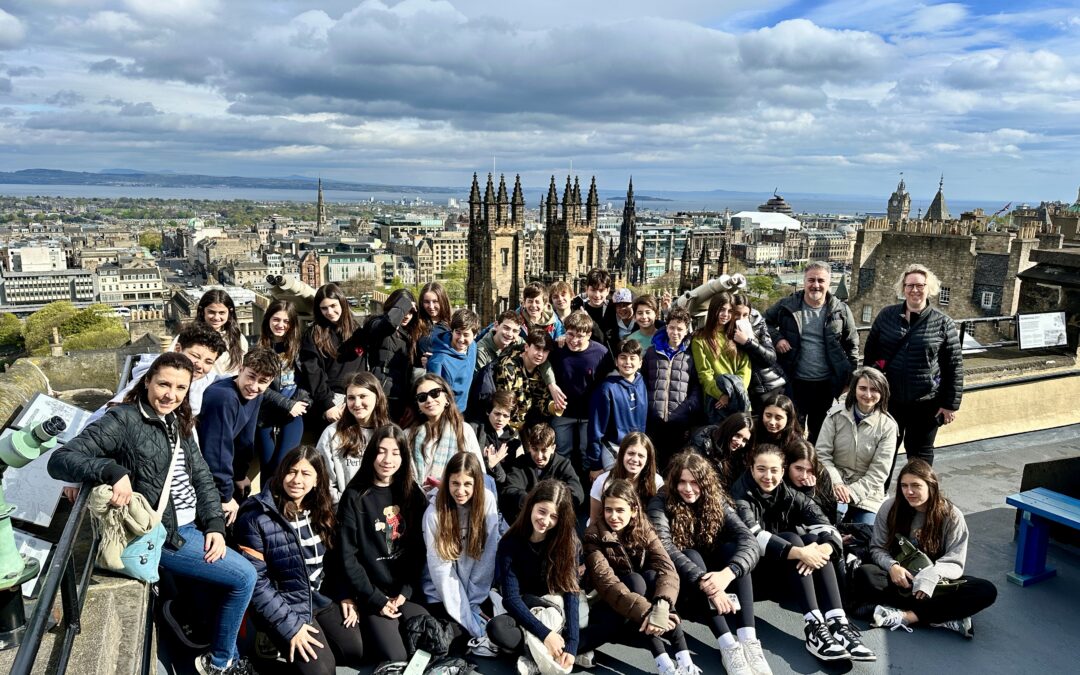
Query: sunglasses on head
{"points": [[423, 396]]}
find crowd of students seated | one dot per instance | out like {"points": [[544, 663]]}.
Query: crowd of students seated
{"points": [[586, 470]]}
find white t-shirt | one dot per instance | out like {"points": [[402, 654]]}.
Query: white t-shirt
{"points": [[597, 490]]}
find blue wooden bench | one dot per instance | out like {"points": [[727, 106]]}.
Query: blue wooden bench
{"points": [[1039, 507]]}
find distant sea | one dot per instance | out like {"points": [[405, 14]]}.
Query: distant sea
{"points": [[657, 201]]}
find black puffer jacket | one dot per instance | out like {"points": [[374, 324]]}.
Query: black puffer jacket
{"points": [[782, 510], [766, 374], [841, 337], [130, 440], [928, 366], [324, 375], [386, 343], [671, 380], [734, 531]]}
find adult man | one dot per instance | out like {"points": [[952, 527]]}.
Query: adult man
{"points": [[816, 344]]}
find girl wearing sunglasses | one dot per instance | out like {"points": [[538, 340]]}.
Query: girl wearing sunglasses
{"points": [[439, 432]]}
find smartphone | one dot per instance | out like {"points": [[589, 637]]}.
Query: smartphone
{"points": [[734, 599]]}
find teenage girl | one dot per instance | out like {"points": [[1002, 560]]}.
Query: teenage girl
{"points": [[281, 431], [435, 311], [285, 533], [329, 354], [636, 463], [766, 375], [714, 553], [217, 310], [461, 534], [773, 513], [439, 432], [778, 423], [382, 544], [635, 579], [342, 443], [931, 522], [716, 355], [807, 475], [390, 342], [539, 555], [725, 446]]}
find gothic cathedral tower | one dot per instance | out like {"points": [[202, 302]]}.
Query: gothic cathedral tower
{"points": [[496, 248]]}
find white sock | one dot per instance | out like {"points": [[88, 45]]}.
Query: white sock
{"points": [[726, 641], [683, 658], [814, 615], [836, 614], [664, 662], [747, 633]]}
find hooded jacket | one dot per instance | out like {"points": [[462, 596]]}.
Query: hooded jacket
{"points": [[671, 381], [767, 514], [841, 337], [453, 366], [522, 477], [386, 349], [858, 455], [607, 559], [618, 407]]}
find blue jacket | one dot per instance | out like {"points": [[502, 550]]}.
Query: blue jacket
{"points": [[453, 366], [226, 425], [618, 407], [283, 596]]}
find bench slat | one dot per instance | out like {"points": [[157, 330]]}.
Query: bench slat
{"points": [[1048, 504]]}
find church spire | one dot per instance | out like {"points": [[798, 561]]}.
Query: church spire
{"points": [[938, 211]]}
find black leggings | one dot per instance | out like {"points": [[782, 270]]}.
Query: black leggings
{"points": [[384, 635], [605, 625], [805, 590], [340, 645], [871, 585], [696, 604]]}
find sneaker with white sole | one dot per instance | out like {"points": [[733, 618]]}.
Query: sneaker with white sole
{"points": [[850, 639], [481, 646], [755, 657], [586, 659], [203, 666], [962, 626], [690, 669], [734, 660], [889, 617], [526, 666], [669, 670], [821, 643]]}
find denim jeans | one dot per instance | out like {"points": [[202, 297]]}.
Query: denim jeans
{"points": [[860, 516], [571, 437], [234, 576], [270, 452]]}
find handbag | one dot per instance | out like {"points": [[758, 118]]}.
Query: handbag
{"points": [[913, 560], [142, 555]]}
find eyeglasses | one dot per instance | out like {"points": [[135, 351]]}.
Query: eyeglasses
{"points": [[423, 396], [914, 287]]}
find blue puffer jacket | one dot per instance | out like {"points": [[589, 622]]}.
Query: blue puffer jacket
{"points": [[283, 594]]}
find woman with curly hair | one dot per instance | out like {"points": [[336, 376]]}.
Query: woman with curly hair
{"points": [[941, 594], [713, 550]]}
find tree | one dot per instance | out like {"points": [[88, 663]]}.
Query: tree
{"points": [[151, 239], [92, 328], [453, 279], [10, 330], [38, 328], [358, 286]]}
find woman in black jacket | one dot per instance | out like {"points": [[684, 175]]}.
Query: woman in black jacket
{"points": [[713, 552], [281, 416], [918, 348], [329, 355], [766, 375], [776, 516], [382, 543], [389, 341], [132, 448], [285, 532]]}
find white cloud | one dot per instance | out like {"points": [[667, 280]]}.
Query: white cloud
{"points": [[12, 30]]}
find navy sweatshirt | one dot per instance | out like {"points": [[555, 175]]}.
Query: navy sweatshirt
{"points": [[579, 373], [226, 424]]}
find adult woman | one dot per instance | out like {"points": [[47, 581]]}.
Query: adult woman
{"points": [[724, 372], [280, 430], [217, 310], [285, 532], [724, 445], [857, 444], [766, 375], [390, 345], [918, 348], [439, 432], [713, 551], [329, 354], [131, 448], [382, 544], [342, 443], [931, 522]]}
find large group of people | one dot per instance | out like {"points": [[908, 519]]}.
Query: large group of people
{"points": [[586, 470]]}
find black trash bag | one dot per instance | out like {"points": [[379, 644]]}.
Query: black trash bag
{"points": [[450, 665], [429, 634]]}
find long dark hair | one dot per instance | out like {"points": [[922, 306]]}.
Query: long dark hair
{"points": [[231, 329], [322, 329], [563, 546], [317, 503], [713, 328], [450, 416], [185, 420], [696, 524], [448, 535], [645, 483], [729, 464], [291, 339], [635, 536], [792, 430], [402, 484], [799, 449], [348, 432], [938, 511]]}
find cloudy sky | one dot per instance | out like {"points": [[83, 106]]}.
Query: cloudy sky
{"points": [[832, 96]]}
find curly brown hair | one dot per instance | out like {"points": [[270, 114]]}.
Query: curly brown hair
{"points": [[696, 524]]}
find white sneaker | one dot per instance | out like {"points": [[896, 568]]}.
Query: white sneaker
{"points": [[691, 669], [526, 666], [734, 660], [889, 617], [482, 646], [755, 657], [586, 659], [669, 670]]}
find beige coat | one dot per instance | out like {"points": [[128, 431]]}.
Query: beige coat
{"points": [[859, 457]]}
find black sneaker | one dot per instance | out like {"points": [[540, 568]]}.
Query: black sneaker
{"points": [[820, 642], [848, 637], [241, 666], [189, 633], [962, 626]]}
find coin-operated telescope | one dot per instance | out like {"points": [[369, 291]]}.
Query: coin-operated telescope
{"points": [[697, 300], [17, 450], [292, 289]]}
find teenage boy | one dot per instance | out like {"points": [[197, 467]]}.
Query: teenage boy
{"points": [[580, 366], [505, 332], [623, 300], [453, 354], [496, 438], [518, 371], [619, 406], [596, 305], [540, 462], [535, 312], [646, 309], [227, 423], [560, 295], [672, 384]]}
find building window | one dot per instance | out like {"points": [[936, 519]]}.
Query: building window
{"points": [[988, 300], [943, 296], [867, 313]]}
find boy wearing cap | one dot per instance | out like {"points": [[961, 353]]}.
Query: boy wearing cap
{"points": [[623, 300]]}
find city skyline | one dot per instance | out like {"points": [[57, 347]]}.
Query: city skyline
{"points": [[830, 97]]}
